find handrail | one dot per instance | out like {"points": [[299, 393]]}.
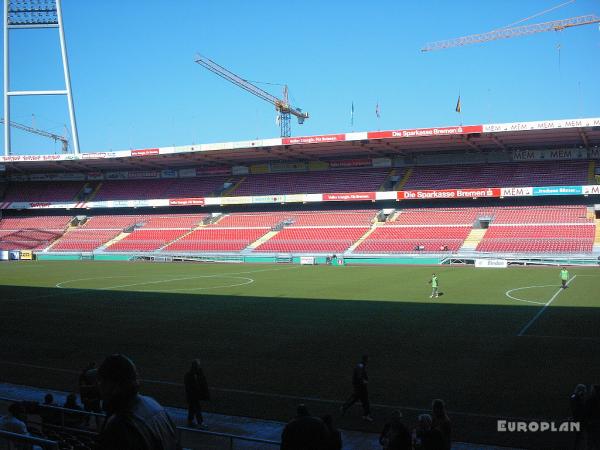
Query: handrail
{"points": [[47, 444], [231, 437]]}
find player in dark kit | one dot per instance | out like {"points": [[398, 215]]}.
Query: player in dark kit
{"points": [[360, 392]]}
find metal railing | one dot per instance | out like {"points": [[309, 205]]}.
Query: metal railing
{"points": [[188, 437], [13, 438]]}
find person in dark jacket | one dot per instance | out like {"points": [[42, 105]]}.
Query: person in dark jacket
{"points": [[305, 432], [395, 435], [592, 418], [73, 420], [360, 381], [441, 421], [196, 389], [335, 436], [88, 388], [48, 412], [426, 437], [577, 401], [133, 421]]}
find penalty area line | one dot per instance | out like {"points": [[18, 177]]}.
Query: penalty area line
{"points": [[541, 311]]}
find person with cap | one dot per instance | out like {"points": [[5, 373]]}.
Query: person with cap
{"points": [[360, 392], [133, 421], [196, 389], [305, 432]]}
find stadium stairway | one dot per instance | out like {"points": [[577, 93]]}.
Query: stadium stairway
{"points": [[592, 172], [54, 242], [362, 238], [240, 426], [232, 188], [114, 240], [200, 225], [393, 217], [473, 239], [94, 192], [261, 240], [387, 181], [596, 247], [404, 179]]}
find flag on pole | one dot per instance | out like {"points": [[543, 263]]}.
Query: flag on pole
{"points": [[352, 115], [377, 111], [458, 105]]}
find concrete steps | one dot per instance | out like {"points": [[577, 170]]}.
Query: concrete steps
{"points": [[363, 237], [404, 179], [473, 239]]}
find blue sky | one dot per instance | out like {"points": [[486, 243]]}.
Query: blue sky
{"points": [[135, 84]]}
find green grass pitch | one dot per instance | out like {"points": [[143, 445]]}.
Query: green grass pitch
{"points": [[271, 336]]}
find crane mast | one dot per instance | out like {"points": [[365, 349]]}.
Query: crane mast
{"points": [[282, 105]]}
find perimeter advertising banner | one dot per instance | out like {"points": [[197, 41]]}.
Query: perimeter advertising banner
{"points": [[425, 132], [196, 201], [449, 194], [348, 196], [558, 190], [145, 152], [313, 139]]}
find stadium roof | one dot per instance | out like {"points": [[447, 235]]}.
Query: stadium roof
{"points": [[553, 134]]}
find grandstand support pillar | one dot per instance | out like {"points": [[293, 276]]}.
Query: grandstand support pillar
{"points": [[6, 84], [65, 61]]}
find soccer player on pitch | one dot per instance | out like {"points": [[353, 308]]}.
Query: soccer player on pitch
{"points": [[564, 277], [434, 286]]}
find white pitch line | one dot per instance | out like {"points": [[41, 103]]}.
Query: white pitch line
{"points": [[541, 311], [507, 293]]}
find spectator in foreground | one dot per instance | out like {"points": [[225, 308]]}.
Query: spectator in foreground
{"points": [[48, 413], [88, 388], [426, 437], [360, 392], [577, 401], [13, 423], [73, 420], [335, 436], [196, 389], [305, 432], [592, 414], [395, 435], [133, 421], [441, 422]]}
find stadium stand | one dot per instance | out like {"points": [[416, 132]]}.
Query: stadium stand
{"points": [[542, 173], [407, 239], [143, 240], [540, 230], [43, 191], [31, 233], [217, 239], [159, 188], [342, 180]]}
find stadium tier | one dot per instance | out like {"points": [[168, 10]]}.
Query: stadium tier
{"points": [[546, 173], [539, 229], [348, 180], [162, 188], [541, 173], [43, 191]]}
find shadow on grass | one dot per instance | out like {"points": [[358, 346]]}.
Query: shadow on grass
{"points": [[263, 356]]}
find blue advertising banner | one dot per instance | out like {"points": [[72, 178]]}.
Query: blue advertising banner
{"points": [[558, 190]]}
